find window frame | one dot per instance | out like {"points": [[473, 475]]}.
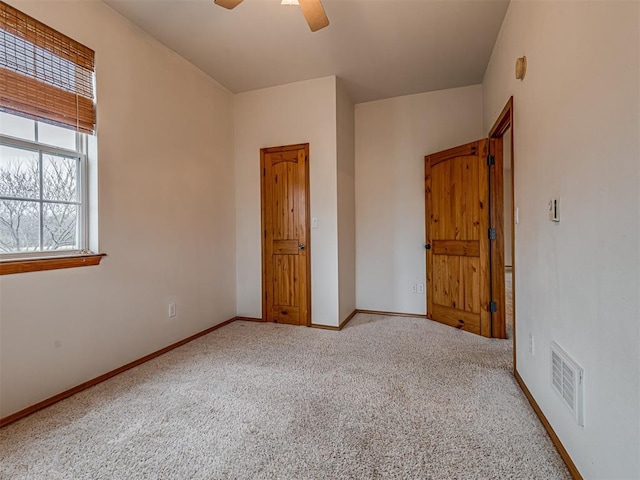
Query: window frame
{"points": [[82, 181]]}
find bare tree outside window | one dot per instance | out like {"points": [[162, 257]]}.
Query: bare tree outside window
{"points": [[39, 203]]}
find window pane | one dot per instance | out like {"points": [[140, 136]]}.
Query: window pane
{"points": [[19, 173], [59, 178], [57, 136], [60, 226], [18, 127], [19, 226]]}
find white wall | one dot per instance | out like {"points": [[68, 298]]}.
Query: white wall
{"points": [[302, 112], [577, 129], [392, 138], [345, 118], [165, 170]]}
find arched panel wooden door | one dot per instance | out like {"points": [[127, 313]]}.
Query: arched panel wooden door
{"points": [[286, 272], [457, 238]]}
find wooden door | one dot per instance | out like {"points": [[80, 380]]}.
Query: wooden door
{"points": [[457, 237], [286, 281]]}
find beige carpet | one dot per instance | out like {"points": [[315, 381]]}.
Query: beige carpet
{"points": [[384, 398]]}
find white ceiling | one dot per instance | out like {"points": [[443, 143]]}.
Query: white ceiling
{"points": [[379, 48]]}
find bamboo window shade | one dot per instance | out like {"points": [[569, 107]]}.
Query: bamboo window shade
{"points": [[44, 74]]}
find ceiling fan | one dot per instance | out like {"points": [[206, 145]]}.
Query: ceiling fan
{"points": [[312, 10]]}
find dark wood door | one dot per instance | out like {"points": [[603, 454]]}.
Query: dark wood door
{"points": [[286, 282], [457, 237]]}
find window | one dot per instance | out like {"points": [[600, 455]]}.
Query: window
{"points": [[47, 118], [42, 187]]}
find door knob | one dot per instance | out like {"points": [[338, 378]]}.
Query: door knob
{"points": [[428, 246], [301, 246]]}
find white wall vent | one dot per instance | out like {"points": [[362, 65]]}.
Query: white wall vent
{"points": [[567, 379]]}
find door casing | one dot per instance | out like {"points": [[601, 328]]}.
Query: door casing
{"points": [[503, 124]]}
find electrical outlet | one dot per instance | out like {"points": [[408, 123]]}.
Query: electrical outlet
{"points": [[421, 288], [531, 343], [172, 309], [414, 288]]}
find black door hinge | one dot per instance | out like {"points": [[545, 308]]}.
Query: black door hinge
{"points": [[492, 234], [493, 307], [491, 160]]}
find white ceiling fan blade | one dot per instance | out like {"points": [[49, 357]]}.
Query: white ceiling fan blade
{"points": [[228, 3], [313, 12]]}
